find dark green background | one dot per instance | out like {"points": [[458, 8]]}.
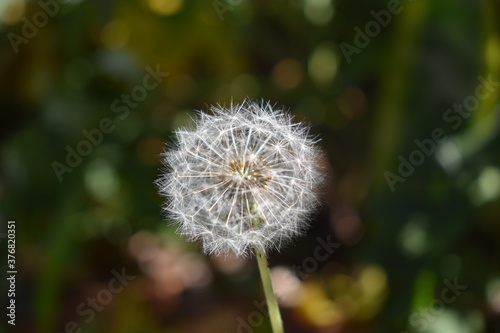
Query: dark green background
{"points": [[398, 248]]}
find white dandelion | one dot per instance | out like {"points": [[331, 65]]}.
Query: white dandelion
{"points": [[243, 178]]}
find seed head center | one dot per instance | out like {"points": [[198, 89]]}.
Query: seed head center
{"points": [[249, 173]]}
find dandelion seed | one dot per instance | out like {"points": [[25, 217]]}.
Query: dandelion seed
{"points": [[244, 178]]}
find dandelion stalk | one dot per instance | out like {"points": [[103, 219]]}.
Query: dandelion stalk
{"points": [[272, 302], [265, 276]]}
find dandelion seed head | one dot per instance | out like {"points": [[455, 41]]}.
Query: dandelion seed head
{"points": [[245, 176]]}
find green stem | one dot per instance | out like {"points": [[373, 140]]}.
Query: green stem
{"points": [[272, 303]]}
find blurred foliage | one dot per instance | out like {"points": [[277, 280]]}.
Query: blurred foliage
{"points": [[400, 249]]}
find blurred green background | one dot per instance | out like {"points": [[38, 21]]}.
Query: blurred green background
{"points": [[371, 77]]}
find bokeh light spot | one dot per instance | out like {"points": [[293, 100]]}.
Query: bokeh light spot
{"points": [[349, 228], [143, 245], [115, 35], [230, 263], [319, 12], [492, 51], [323, 63], [100, 179], [449, 321], [413, 237], [352, 101], [372, 281], [12, 11], [318, 309], [449, 155], [493, 294], [489, 183], [286, 285], [165, 7], [487, 186], [287, 73]]}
